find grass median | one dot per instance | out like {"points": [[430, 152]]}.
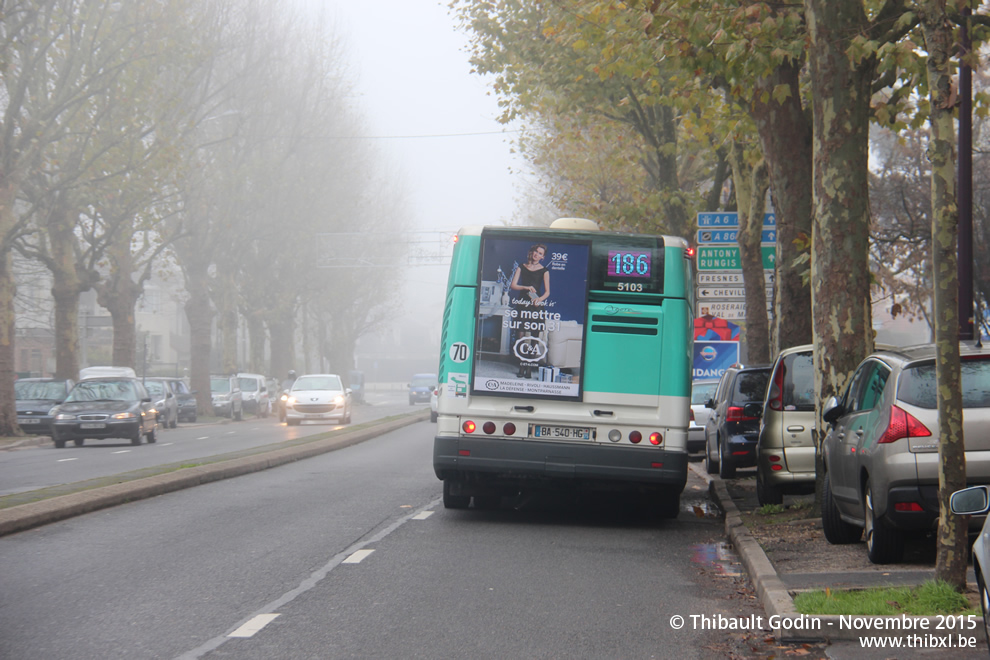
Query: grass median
{"points": [[928, 599]]}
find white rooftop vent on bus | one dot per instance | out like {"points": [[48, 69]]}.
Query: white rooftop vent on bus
{"points": [[580, 224]]}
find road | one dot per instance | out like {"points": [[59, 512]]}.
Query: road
{"points": [[42, 466], [355, 554]]}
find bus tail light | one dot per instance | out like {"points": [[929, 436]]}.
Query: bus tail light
{"points": [[489, 427], [635, 437], [656, 438], [469, 426], [509, 428]]}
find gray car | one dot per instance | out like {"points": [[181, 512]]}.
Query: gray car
{"points": [[975, 501], [881, 450], [785, 451], [164, 400]]}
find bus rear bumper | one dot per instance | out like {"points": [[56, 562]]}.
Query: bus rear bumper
{"points": [[503, 462]]}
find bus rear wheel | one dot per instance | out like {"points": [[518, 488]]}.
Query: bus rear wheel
{"points": [[451, 501]]}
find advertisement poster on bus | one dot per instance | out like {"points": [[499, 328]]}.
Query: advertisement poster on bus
{"points": [[532, 302]]}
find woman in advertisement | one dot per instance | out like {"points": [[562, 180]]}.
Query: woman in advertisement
{"points": [[528, 279]]}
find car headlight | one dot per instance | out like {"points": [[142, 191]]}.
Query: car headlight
{"points": [[125, 415], [291, 400], [62, 417], [285, 397], [339, 400]]}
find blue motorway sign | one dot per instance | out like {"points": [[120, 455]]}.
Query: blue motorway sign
{"points": [[712, 358], [730, 219], [729, 235]]}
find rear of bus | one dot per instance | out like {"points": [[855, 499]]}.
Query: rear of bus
{"points": [[587, 389]]}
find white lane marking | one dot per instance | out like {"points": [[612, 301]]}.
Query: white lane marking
{"points": [[123, 451], [203, 437], [304, 587], [422, 515], [231, 432], [165, 444], [357, 557], [250, 628], [63, 460]]}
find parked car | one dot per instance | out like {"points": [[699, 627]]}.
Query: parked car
{"points": [[163, 398], [785, 451], [185, 398], [420, 388], [734, 425], [881, 449], [318, 397], [110, 407], [976, 501], [254, 392], [226, 395], [701, 392], [35, 398]]}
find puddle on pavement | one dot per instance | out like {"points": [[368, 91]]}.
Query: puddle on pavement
{"points": [[718, 557], [701, 507]]}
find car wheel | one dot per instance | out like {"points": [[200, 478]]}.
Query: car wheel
{"points": [[267, 411], [59, 443], [136, 438], [411, 402], [78, 442], [152, 435], [451, 501], [884, 544], [726, 469], [984, 600], [837, 531], [711, 465], [765, 493]]}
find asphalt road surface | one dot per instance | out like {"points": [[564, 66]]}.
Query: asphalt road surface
{"points": [[43, 465], [351, 555]]}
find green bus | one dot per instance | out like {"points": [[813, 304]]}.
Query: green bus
{"points": [[565, 362]]}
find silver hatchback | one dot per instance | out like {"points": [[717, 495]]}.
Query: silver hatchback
{"points": [[881, 452]]}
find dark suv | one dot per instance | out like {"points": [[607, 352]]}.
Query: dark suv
{"points": [[734, 426]]}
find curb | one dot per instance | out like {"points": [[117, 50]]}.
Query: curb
{"points": [[789, 625], [34, 514]]}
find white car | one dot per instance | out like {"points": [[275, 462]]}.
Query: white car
{"points": [[701, 392], [318, 398]]}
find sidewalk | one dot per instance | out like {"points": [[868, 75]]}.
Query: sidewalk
{"points": [[775, 588]]}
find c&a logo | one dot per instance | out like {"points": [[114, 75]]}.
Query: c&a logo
{"points": [[529, 349]]}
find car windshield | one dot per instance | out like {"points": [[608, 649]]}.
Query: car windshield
{"points": [[918, 387], [103, 390], [154, 387], [424, 381], [750, 386], [39, 390], [317, 383], [220, 385], [248, 384], [702, 392]]}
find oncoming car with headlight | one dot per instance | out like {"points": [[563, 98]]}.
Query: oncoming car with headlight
{"points": [[105, 408], [318, 398]]}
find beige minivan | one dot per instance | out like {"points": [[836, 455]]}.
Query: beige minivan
{"points": [[785, 452]]}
